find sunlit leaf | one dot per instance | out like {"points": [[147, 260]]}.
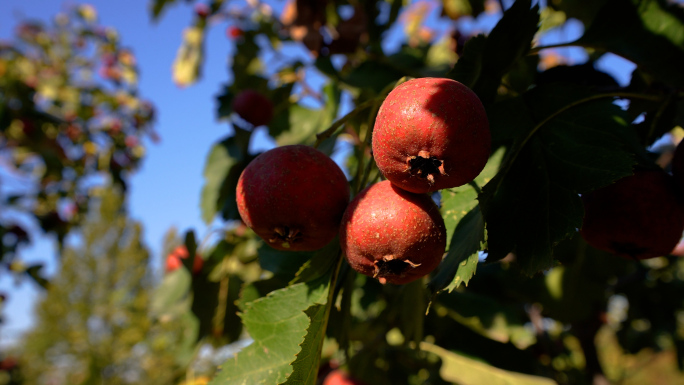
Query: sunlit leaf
{"points": [[222, 170], [461, 261], [306, 365], [186, 66], [279, 324], [467, 371]]}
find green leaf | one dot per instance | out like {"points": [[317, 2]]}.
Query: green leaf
{"points": [[488, 59], [412, 318], [222, 170], [534, 204], [158, 6], [464, 238], [281, 262], [300, 124], [186, 66], [169, 297], [644, 32], [373, 75], [584, 11], [457, 202], [321, 262], [258, 289], [488, 317], [461, 261], [468, 68], [467, 371], [308, 359], [279, 324], [455, 9]]}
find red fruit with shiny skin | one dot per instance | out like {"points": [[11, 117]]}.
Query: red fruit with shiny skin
{"points": [[338, 377], [637, 217], [431, 134], [393, 235], [253, 107], [293, 197]]}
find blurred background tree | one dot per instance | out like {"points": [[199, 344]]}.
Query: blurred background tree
{"points": [[94, 325], [70, 119]]}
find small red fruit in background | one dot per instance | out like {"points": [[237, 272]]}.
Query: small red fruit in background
{"points": [[202, 10], [637, 217], [338, 377], [393, 235], [233, 32], [431, 134], [173, 261], [253, 107], [293, 197]]}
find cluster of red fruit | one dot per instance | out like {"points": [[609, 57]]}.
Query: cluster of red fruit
{"points": [[640, 216], [430, 134]]}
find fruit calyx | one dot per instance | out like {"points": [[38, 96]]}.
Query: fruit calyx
{"points": [[425, 166], [391, 266], [285, 236]]}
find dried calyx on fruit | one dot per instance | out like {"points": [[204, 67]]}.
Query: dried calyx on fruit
{"points": [[431, 134], [393, 235], [637, 217], [293, 197]]}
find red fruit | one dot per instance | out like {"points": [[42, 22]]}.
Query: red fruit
{"points": [[678, 167], [253, 107], [173, 261], [233, 32], [393, 235], [293, 197], [637, 217], [202, 10], [338, 377], [431, 134]]}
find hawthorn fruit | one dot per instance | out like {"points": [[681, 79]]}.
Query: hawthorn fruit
{"points": [[234, 32], [173, 260], [431, 134], [293, 197], [338, 377], [637, 217], [202, 10], [253, 107], [393, 235]]}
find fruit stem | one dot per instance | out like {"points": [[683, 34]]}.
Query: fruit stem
{"points": [[329, 304], [361, 179], [535, 50], [321, 136]]}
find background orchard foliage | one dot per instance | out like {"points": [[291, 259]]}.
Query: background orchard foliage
{"points": [[543, 308]]}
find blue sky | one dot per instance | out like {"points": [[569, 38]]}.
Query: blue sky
{"points": [[166, 191]]}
